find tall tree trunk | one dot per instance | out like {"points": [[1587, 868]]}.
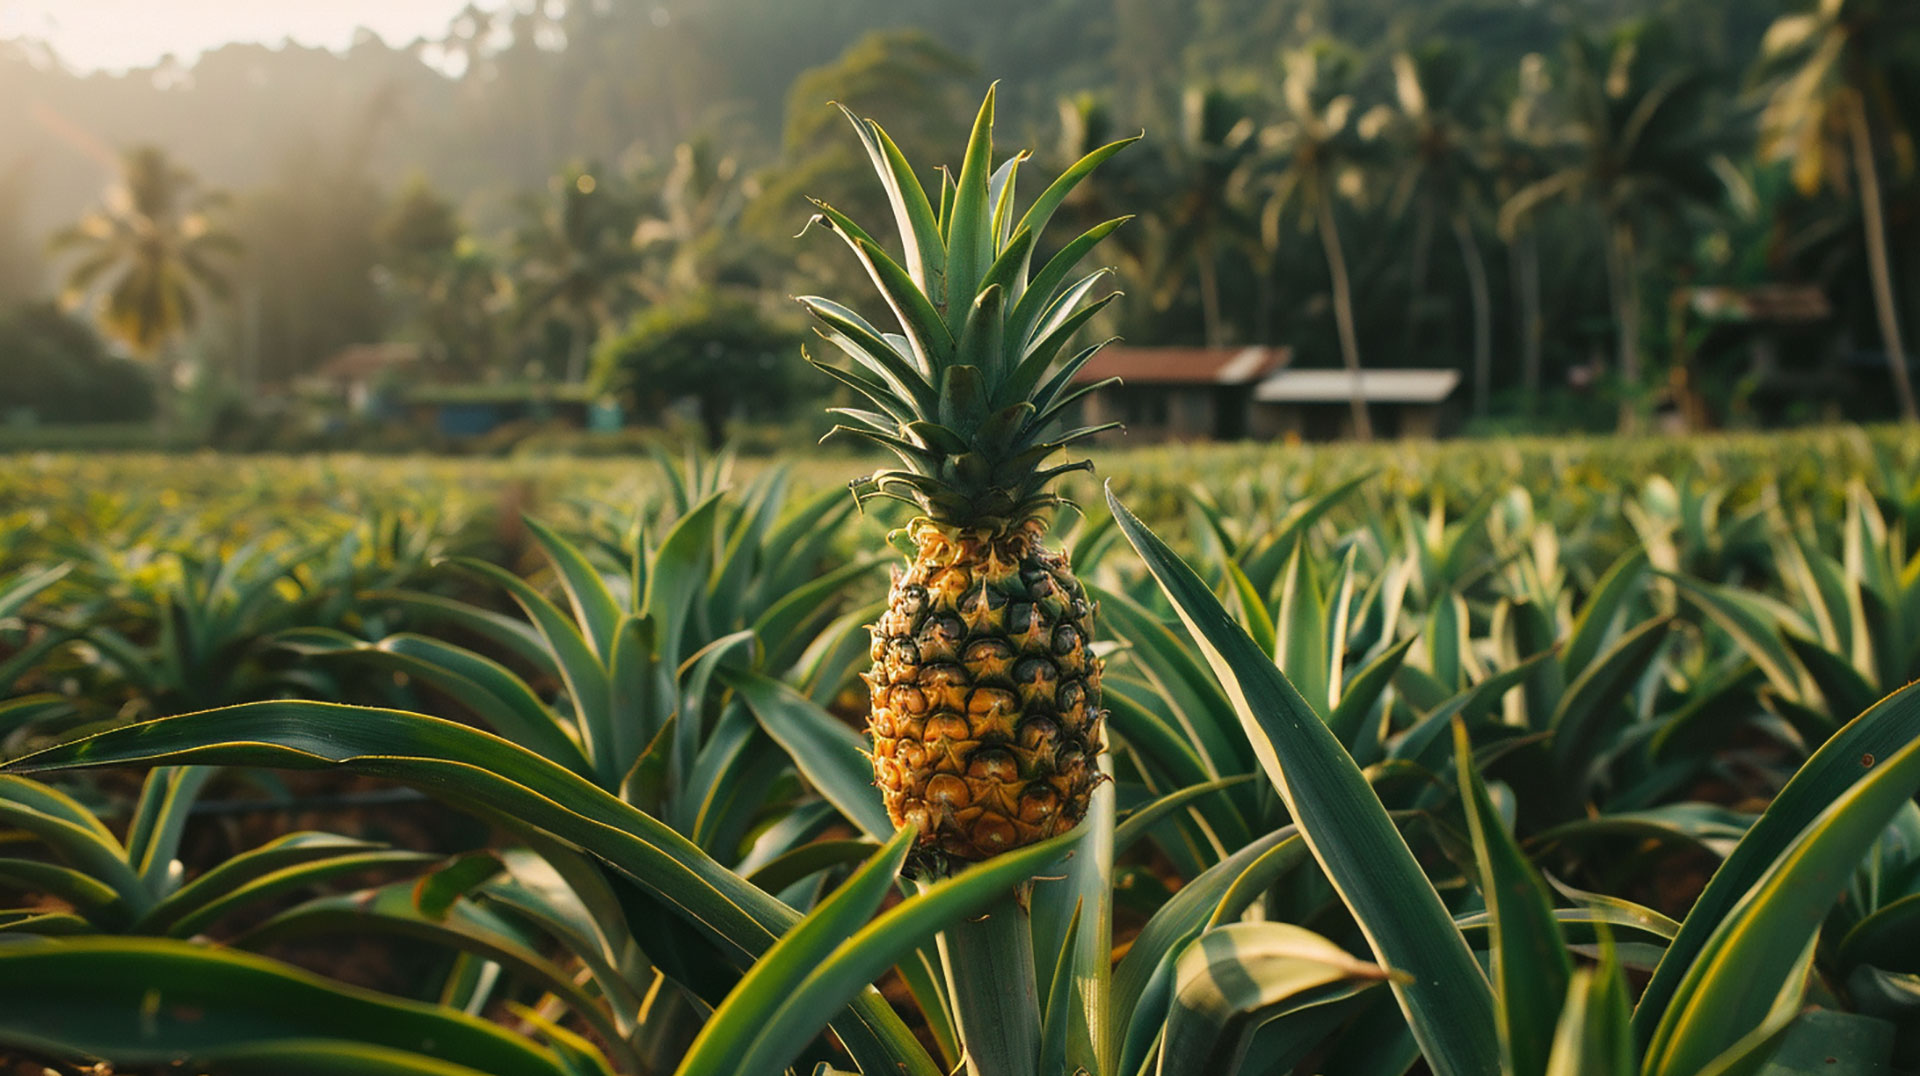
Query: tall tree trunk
{"points": [[1624, 284], [256, 331], [1417, 286], [577, 349], [1263, 303], [1482, 313], [166, 397], [714, 408], [1343, 315], [1209, 275], [1526, 263], [1879, 265]]}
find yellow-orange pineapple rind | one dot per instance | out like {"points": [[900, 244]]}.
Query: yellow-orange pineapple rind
{"points": [[985, 694]]}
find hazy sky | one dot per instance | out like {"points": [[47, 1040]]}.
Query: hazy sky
{"points": [[116, 34]]}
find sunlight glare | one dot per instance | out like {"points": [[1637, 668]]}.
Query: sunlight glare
{"points": [[115, 35]]}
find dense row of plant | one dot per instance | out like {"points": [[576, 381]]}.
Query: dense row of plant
{"points": [[1628, 690], [142, 507]]}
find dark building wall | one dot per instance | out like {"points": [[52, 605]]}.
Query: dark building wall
{"points": [[1173, 412]]}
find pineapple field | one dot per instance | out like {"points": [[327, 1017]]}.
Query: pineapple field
{"points": [[1523, 757], [529, 766]]}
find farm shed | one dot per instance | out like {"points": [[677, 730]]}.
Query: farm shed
{"points": [[1178, 394], [1761, 352], [366, 378], [1316, 405]]}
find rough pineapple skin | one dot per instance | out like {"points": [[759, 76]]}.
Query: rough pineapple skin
{"points": [[985, 714]]}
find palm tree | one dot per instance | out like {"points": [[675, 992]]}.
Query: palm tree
{"points": [[1316, 153], [577, 261], [146, 257], [1520, 151], [1831, 106], [1202, 218], [1118, 187], [1440, 175], [691, 235], [1642, 143], [459, 310], [19, 256]]}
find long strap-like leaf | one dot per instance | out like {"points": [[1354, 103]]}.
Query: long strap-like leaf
{"points": [[1446, 997], [157, 1001], [1846, 759], [500, 781], [1730, 987]]}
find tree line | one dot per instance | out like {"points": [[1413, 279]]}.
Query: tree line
{"points": [[1514, 190]]}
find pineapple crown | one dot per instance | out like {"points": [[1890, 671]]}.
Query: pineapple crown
{"points": [[970, 392]]}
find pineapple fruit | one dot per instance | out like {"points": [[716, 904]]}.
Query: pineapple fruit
{"points": [[985, 694]]}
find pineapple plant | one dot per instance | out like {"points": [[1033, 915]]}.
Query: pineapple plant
{"points": [[985, 693]]}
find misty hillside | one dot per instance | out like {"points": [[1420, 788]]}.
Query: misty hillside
{"points": [[501, 100]]}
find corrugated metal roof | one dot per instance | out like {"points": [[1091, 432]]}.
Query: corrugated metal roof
{"points": [[1184, 365], [1377, 386]]}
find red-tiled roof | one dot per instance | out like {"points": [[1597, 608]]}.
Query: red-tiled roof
{"points": [[1184, 365], [365, 360]]}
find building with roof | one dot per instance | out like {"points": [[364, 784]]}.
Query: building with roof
{"points": [[1766, 353], [476, 409], [1317, 405], [390, 382], [365, 377], [1178, 394]]}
